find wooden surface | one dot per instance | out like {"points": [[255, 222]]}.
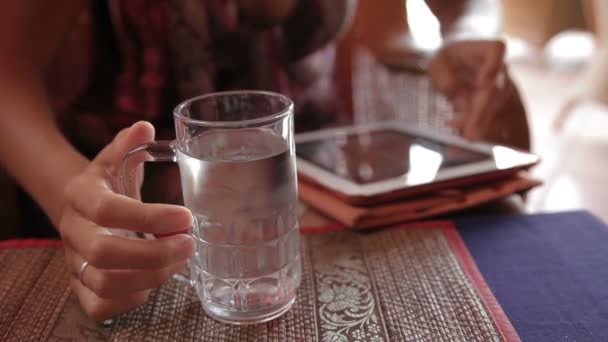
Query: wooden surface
{"points": [[538, 21]]}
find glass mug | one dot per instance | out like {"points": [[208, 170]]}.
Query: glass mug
{"points": [[236, 157]]}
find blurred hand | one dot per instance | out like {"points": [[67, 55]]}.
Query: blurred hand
{"points": [[473, 76], [121, 271]]}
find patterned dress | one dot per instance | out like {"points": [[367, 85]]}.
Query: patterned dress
{"points": [[166, 51]]}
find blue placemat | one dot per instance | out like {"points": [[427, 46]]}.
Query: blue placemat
{"points": [[548, 271]]}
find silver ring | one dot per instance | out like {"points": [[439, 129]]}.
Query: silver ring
{"points": [[83, 267]]}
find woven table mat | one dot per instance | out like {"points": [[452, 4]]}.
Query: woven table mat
{"points": [[411, 284]]}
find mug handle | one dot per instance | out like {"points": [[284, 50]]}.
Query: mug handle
{"points": [[153, 151], [129, 183]]}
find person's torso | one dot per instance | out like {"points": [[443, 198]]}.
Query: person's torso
{"points": [[134, 60]]}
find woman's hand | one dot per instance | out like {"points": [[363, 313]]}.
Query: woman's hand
{"points": [[121, 271], [473, 76]]}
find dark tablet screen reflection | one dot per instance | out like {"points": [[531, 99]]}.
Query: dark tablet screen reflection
{"points": [[370, 157]]}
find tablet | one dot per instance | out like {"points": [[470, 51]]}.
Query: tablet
{"points": [[385, 160]]}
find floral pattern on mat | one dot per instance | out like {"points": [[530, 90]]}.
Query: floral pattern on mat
{"points": [[347, 308], [390, 285]]}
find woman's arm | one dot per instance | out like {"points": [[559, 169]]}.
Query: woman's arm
{"points": [[32, 148], [77, 194]]}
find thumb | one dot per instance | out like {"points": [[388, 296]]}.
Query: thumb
{"points": [[127, 139], [442, 75]]}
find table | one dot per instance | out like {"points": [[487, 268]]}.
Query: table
{"points": [[483, 270], [546, 271]]}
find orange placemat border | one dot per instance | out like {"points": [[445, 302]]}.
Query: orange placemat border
{"points": [[449, 229], [30, 243]]}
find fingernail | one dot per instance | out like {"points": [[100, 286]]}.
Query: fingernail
{"points": [[141, 122], [174, 220], [185, 245], [178, 218], [137, 123]]}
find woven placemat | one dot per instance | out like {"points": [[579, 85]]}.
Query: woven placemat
{"points": [[411, 284]]}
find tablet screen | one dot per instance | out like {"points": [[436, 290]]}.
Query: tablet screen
{"points": [[379, 155]]}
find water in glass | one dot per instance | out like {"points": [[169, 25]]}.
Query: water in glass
{"points": [[241, 187]]}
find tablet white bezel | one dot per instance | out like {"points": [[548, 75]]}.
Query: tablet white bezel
{"points": [[505, 158]]}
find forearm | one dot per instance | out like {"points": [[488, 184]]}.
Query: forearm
{"points": [[32, 148]]}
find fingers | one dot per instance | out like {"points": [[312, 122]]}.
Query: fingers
{"points": [[479, 116], [140, 133], [101, 309], [121, 270], [94, 200], [474, 62], [462, 101], [492, 63], [457, 123], [116, 252], [462, 105], [442, 75], [470, 72], [107, 283], [487, 105]]}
